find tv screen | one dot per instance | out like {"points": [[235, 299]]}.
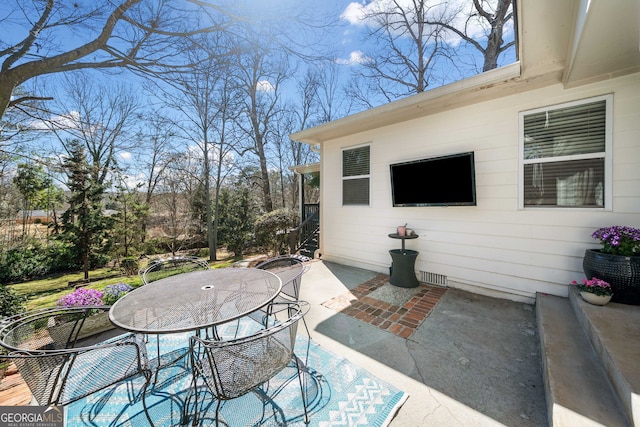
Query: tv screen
{"points": [[437, 181]]}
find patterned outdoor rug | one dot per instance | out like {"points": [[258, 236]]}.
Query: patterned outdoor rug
{"points": [[339, 393]]}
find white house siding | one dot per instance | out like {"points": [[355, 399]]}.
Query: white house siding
{"points": [[493, 248]]}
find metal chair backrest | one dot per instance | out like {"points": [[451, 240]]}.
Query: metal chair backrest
{"points": [[232, 368], [290, 269], [62, 357], [165, 267]]}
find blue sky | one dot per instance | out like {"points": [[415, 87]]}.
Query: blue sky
{"points": [[345, 35], [351, 15]]}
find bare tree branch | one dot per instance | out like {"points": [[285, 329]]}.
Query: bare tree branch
{"points": [[407, 48], [413, 39], [136, 34], [496, 20], [24, 99]]}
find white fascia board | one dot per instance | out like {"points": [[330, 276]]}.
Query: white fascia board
{"points": [[459, 93]]}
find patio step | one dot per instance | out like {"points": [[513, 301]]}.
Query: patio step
{"points": [[579, 390], [614, 333]]}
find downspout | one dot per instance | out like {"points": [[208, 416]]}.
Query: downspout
{"points": [[301, 195]]}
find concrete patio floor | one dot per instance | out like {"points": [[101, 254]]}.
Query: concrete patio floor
{"points": [[473, 361]]}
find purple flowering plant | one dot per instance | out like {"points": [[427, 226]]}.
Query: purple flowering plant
{"points": [[81, 297], [595, 286], [619, 240], [112, 293]]}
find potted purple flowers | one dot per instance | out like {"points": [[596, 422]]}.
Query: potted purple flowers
{"points": [[85, 297], [619, 240], [81, 297], [617, 262], [112, 293]]}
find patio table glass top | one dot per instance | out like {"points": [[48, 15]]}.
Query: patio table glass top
{"points": [[195, 300]]}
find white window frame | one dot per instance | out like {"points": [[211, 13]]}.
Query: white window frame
{"points": [[608, 155], [345, 178]]}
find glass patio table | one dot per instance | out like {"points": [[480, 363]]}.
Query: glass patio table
{"points": [[194, 301]]}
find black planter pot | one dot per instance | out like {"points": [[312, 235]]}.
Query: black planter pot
{"points": [[621, 272]]}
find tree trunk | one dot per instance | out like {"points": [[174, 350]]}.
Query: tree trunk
{"points": [[266, 185], [6, 89], [492, 50]]}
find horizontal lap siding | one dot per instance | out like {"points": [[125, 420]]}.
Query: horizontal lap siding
{"points": [[495, 244]]}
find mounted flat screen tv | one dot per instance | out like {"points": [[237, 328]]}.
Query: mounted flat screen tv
{"points": [[437, 181]]}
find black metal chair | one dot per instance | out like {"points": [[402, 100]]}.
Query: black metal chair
{"points": [[232, 368], [165, 267], [64, 354], [290, 269]]}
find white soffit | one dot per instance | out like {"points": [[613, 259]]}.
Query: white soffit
{"points": [[304, 169], [545, 29], [606, 41]]}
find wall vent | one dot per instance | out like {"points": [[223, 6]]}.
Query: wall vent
{"points": [[432, 278]]}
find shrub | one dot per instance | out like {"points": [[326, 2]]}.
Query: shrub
{"points": [[202, 253], [23, 262], [61, 256], [31, 260], [236, 212], [130, 266], [272, 230], [98, 259], [10, 302], [155, 246]]}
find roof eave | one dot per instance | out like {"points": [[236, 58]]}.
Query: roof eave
{"points": [[442, 98]]}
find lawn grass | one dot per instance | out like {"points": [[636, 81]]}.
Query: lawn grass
{"points": [[43, 293]]}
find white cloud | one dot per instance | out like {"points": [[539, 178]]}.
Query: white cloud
{"points": [[265, 86], [125, 155], [356, 57], [356, 14], [132, 181], [68, 121]]}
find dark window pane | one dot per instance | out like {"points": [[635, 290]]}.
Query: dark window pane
{"points": [[355, 161], [355, 191], [566, 131], [578, 183]]}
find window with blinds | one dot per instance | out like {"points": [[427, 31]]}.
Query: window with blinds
{"points": [[355, 176], [564, 149]]}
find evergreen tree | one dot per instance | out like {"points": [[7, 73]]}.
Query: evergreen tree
{"points": [[31, 181], [83, 223], [129, 221], [198, 206], [236, 214]]}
